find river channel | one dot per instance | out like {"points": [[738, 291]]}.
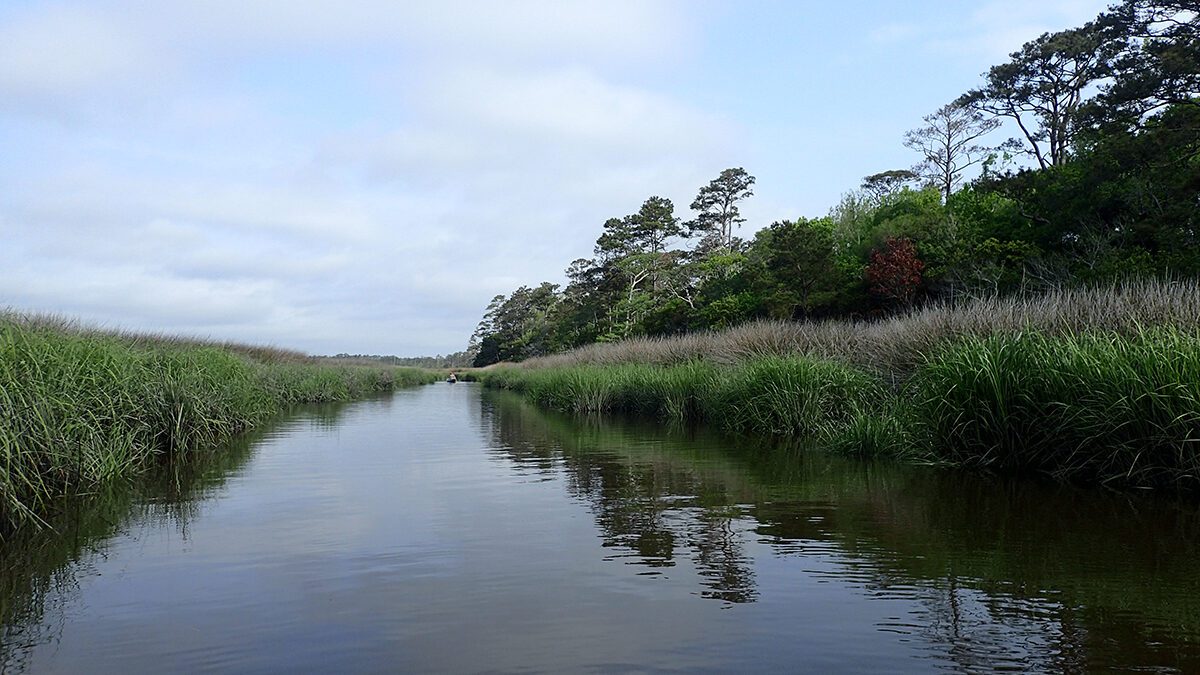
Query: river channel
{"points": [[451, 529]]}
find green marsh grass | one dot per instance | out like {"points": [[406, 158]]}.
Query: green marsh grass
{"points": [[1096, 407], [777, 395], [791, 396], [81, 407], [1120, 409], [1089, 386]]}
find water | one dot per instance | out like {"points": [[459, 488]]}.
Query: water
{"points": [[448, 529]]}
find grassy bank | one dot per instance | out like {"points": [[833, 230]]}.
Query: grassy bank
{"points": [[1080, 392], [79, 407], [1103, 407], [897, 346], [779, 395]]}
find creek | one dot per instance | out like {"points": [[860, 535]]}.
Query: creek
{"points": [[448, 528]]}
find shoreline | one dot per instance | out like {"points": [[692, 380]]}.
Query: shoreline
{"points": [[79, 408], [1097, 407]]}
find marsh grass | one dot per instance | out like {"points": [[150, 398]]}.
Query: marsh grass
{"points": [[1095, 407], [79, 407], [1120, 409], [1089, 386], [59, 324], [793, 396], [895, 347]]}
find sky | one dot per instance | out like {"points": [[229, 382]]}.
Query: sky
{"points": [[363, 176]]}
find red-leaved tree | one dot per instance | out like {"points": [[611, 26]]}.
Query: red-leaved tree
{"points": [[895, 271]]}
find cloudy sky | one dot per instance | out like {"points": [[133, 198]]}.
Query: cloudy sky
{"points": [[364, 175]]}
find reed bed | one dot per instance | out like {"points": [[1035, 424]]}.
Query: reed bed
{"points": [[1097, 407], [65, 325], [81, 407], [775, 395], [897, 346], [1098, 385]]}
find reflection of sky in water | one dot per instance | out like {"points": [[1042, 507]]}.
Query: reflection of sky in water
{"points": [[441, 531]]}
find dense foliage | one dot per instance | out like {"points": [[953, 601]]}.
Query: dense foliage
{"points": [[1107, 118]]}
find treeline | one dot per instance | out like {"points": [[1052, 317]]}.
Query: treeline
{"points": [[461, 359], [1102, 181]]}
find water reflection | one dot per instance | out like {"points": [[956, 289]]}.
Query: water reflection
{"points": [[651, 504], [993, 572], [40, 571], [449, 529]]}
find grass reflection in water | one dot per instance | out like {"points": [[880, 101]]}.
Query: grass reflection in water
{"points": [[1058, 576]]}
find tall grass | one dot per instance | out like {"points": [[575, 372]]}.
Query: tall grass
{"points": [[1093, 406], [65, 325], [776, 395], [80, 407], [1083, 385], [897, 346]]}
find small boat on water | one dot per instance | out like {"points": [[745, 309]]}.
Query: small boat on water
{"points": [[452, 379]]}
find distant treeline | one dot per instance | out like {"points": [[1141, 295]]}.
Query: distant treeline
{"points": [[1107, 118], [456, 360]]}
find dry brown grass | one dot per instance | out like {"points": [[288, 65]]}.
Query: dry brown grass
{"points": [[895, 346]]}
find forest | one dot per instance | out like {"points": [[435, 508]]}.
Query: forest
{"points": [[1099, 181]]}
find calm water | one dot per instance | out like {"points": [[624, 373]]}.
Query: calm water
{"points": [[447, 529]]}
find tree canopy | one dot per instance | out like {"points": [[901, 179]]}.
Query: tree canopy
{"points": [[1108, 116]]}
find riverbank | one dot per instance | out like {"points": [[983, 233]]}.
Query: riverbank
{"points": [[80, 407], [1094, 386]]}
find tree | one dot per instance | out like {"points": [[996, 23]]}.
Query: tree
{"points": [[1159, 64], [895, 271], [518, 326], [801, 271], [635, 247], [653, 224], [880, 185], [947, 144], [585, 312], [617, 240], [1042, 87], [643, 232], [1131, 190], [716, 206], [486, 330], [488, 352]]}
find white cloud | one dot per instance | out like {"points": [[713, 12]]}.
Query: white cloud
{"points": [[991, 30], [64, 51], [353, 176], [570, 106], [627, 30]]}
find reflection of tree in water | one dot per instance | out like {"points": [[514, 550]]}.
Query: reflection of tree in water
{"points": [[630, 507], [1016, 573], [1080, 580], [993, 573], [655, 511], [721, 558], [40, 571]]}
